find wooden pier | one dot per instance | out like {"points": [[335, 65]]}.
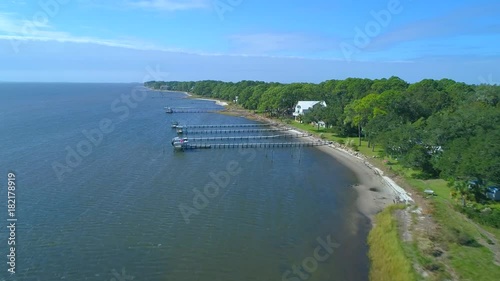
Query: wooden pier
{"points": [[221, 138], [171, 110], [237, 131], [228, 126], [256, 145]]}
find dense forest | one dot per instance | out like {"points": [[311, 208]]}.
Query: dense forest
{"points": [[442, 128]]}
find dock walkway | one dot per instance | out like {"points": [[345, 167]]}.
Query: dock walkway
{"points": [[256, 145], [236, 131]]}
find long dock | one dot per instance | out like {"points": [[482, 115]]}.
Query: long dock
{"points": [[192, 110], [284, 136], [227, 126], [240, 131], [256, 145]]}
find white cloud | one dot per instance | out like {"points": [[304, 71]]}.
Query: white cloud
{"points": [[63, 38], [12, 24], [170, 5], [267, 43], [19, 30]]}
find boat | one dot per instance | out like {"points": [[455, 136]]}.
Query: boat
{"points": [[179, 130], [168, 110], [175, 124], [180, 143]]}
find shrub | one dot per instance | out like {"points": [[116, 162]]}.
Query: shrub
{"points": [[422, 176], [432, 267], [434, 252], [464, 239], [483, 215], [349, 142], [354, 147], [467, 240]]}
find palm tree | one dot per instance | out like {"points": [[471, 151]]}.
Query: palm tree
{"points": [[460, 188]]}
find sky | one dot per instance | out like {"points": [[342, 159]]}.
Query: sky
{"points": [[233, 40]]}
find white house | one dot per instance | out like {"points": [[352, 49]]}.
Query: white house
{"points": [[303, 106]]}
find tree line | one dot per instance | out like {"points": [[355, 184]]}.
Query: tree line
{"points": [[443, 128]]}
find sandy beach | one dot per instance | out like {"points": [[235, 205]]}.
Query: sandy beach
{"points": [[373, 193], [217, 102]]}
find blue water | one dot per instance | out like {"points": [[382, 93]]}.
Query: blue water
{"points": [[114, 209]]}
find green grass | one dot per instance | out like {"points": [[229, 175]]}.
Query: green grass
{"points": [[469, 263], [388, 259], [474, 264], [308, 127]]}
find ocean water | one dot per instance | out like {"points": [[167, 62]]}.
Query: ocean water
{"points": [[101, 195]]}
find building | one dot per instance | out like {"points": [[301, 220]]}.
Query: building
{"points": [[303, 106], [493, 193]]}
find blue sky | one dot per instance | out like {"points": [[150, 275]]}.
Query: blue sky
{"points": [[232, 40]]}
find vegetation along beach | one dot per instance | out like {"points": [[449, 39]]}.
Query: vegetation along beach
{"points": [[438, 139]]}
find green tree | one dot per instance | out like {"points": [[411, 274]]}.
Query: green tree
{"points": [[361, 111]]}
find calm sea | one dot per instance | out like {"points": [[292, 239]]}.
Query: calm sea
{"points": [[101, 195]]}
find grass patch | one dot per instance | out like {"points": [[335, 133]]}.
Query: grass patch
{"points": [[474, 263], [458, 236], [388, 259], [469, 259]]}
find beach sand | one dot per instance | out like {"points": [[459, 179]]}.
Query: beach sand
{"points": [[373, 192], [217, 102]]}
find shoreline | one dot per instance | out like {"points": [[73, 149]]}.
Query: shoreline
{"points": [[373, 194], [217, 102], [374, 190]]}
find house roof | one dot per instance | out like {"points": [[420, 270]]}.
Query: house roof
{"points": [[308, 104]]}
